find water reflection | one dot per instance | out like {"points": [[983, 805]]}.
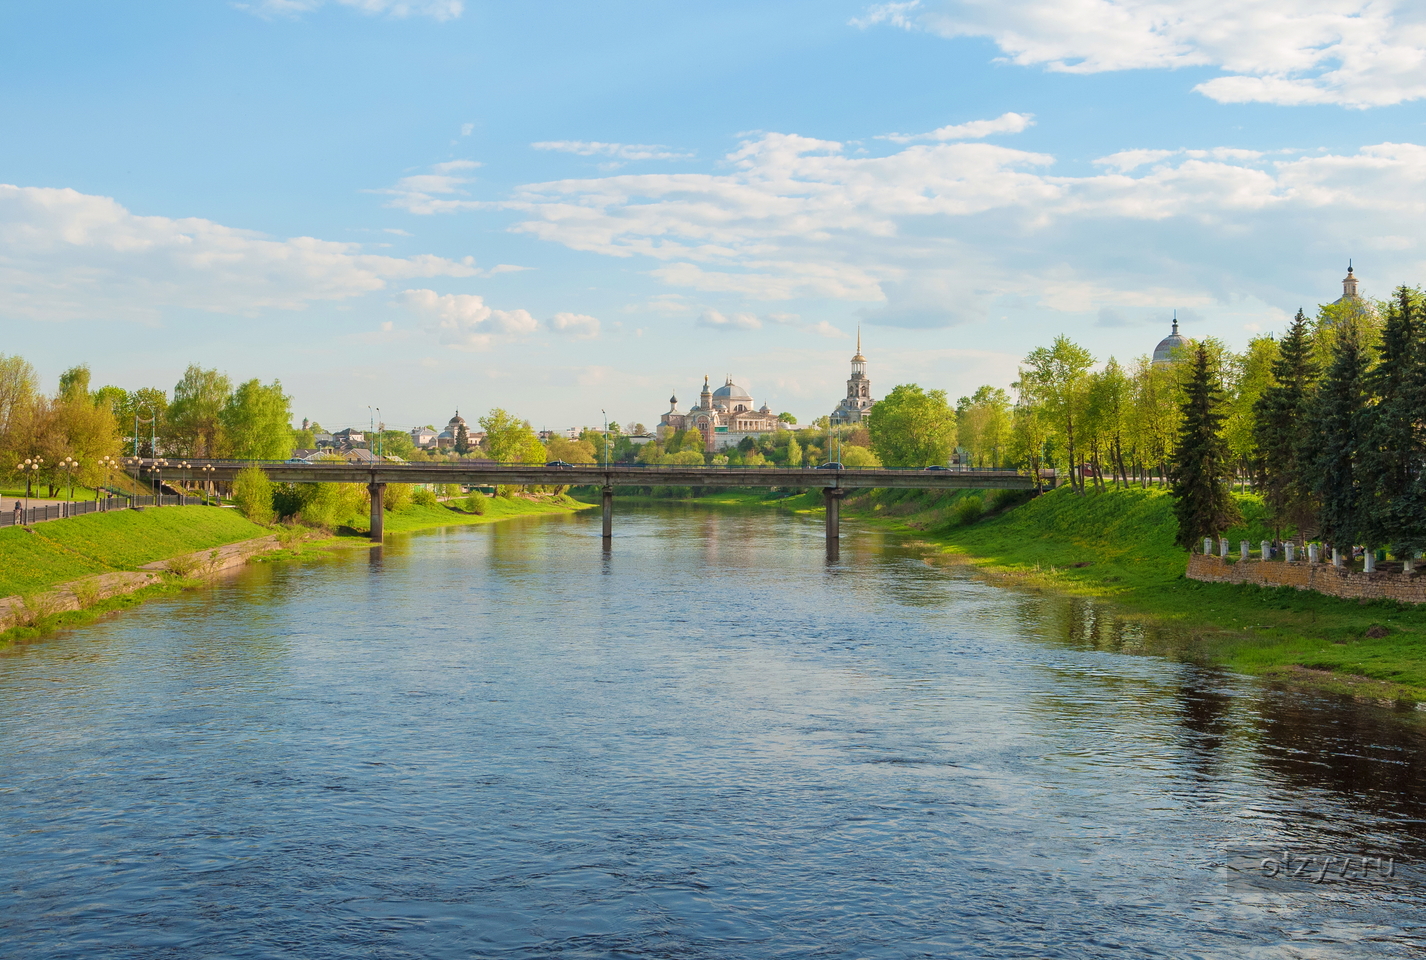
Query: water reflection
{"points": [[505, 741]]}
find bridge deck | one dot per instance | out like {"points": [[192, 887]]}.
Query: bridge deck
{"points": [[486, 473]]}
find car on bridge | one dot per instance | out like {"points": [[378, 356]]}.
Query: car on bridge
{"points": [[938, 466], [831, 465], [558, 463]]}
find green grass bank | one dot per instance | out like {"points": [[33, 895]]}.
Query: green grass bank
{"points": [[1118, 546], [38, 557]]}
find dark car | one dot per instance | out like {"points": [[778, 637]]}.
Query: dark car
{"points": [[558, 463], [938, 466], [831, 465]]}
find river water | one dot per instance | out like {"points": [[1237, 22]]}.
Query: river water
{"points": [[501, 742]]}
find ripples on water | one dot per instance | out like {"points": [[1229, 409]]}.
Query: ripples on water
{"points": [[497, 742]]}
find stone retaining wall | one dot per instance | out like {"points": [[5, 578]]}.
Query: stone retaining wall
{"points": [[1321, 577]]}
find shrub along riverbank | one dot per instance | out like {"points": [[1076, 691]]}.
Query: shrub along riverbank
{"points": [[44, 556], [1117, 545]]}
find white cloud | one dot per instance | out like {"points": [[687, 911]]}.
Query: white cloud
{"points": [[1356, 53], [617, 151], [892, 14], [466, 129], [440, 10], [935, 234], [451, 165], [579, 326], [66, 255], [462, 320], [738, 321], [974, 130]]}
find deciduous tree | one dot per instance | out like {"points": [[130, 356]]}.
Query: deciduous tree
{"points": [[912, 427]]}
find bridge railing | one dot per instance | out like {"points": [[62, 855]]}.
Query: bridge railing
{"points": [[467, 465]]}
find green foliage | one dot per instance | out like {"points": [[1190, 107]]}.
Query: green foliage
{"points": [[1334, 446], [256, 422], [425, 498], [786, 417], [912, 427], [1394, 446], [396, 443], [1281, 430], [509, 439], [1057, 381], [691, 458], [794, 452], [252, 492], [396, 496], [969, 509], [476, 503], [462, 440], [858, 457], [983, 425], [193, 421], [1203, 505]]}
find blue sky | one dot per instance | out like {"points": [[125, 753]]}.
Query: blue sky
{"points": [[566, 207]]}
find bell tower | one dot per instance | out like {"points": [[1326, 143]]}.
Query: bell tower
{"points": [[858, 386]]}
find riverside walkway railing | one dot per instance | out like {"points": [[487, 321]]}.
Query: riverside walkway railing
{"points": [[24, 517]]}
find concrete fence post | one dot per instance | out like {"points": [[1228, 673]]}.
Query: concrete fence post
{"points": [[1369, 564], [1208, 546], [1223, 547], [1266, 550], [1408, 565], [1336, 557], [1313, 553], [1245, 549], [1290, 552]]}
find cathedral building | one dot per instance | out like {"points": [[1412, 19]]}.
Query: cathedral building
{"points": [[724, 416], [854, 407]]}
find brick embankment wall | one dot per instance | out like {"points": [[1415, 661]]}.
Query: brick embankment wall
{"points": [[1321, 577]]}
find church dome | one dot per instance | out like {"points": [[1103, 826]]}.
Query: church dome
{"points": [[1164, 352], [731, 391]]}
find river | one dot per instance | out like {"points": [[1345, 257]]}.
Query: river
{"points": [[499, 741]]}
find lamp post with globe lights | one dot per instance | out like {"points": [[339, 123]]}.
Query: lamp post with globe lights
{"points": [[30, 468], [156, 468], [68, 465], [208, 477], [108, 465]]}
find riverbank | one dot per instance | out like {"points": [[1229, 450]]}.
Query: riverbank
{"points": [[1118, 546], [72, 571]]}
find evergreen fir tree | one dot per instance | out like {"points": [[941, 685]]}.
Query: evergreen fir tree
{"points": [[1199, 472], [462, 444], [1395, 446], [1335, 445], [1281, 416]]}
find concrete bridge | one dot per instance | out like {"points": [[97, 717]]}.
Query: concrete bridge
{"points": [[834, 483]]}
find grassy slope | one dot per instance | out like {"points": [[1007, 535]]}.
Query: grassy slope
{"points": [[63, 550], [416, 517], [1118, 546]]}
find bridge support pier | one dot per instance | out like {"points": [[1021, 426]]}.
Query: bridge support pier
{"points": [[832, 496], [608, 516], [378, 491]]}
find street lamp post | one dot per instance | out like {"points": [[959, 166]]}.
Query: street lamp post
{"points": [[29, 468], [606, 438], [187, 468], [156, 467], [208, 475], [107, 464], [67, 465]]}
